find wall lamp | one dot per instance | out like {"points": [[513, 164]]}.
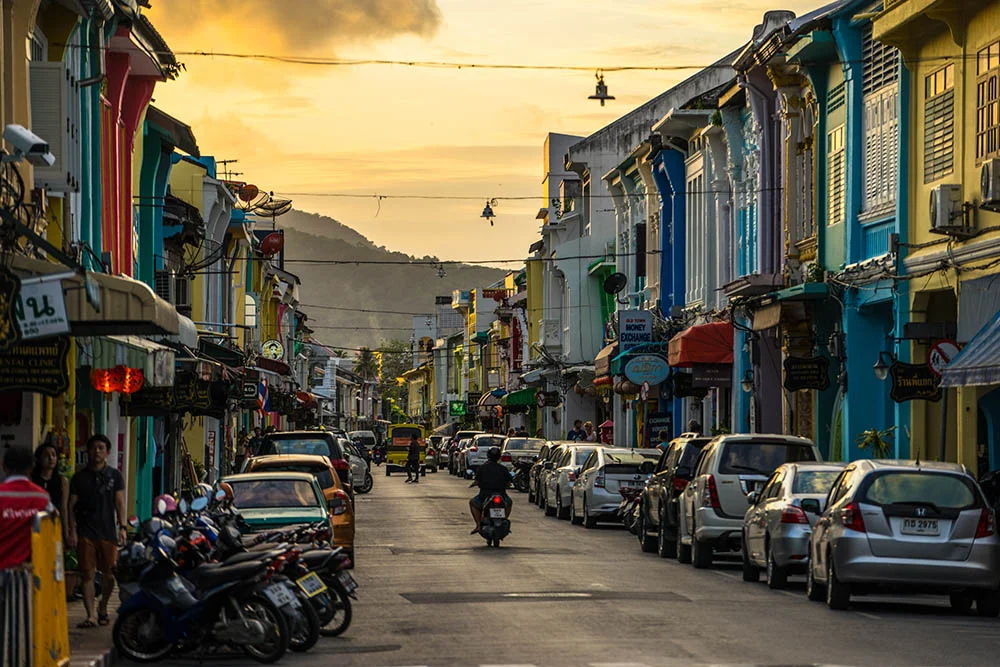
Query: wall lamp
{"points": [[881, 367], [747, 382]]}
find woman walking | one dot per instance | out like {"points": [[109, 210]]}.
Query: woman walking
{"points": [[46, 475]]}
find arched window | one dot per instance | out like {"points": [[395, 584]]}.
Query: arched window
{"points": [[250, 312]]}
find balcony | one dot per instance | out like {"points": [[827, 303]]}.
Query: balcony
{"points": [[461, 299]]}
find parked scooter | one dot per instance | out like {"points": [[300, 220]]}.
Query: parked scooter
{"points": [[522, 477]]}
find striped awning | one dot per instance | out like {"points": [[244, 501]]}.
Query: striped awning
{"points": [[978, 364]]}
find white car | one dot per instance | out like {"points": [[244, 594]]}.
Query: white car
{"points": [[518, 449], [474, 455], [607, 471], [560, 480]]}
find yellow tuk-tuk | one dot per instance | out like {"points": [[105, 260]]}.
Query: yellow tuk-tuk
{"points": [[397, 441]]}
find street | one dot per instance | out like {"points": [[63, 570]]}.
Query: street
{"points": [[557, 594]]}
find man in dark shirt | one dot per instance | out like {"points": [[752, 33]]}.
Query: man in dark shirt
{"points": [[96, 496], [413, 460], [491, 478], [577, 432]]}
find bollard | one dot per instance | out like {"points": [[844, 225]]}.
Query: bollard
{"points": [[15, 610], [49, 622]]}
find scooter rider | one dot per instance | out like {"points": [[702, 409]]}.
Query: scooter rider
{"points": [[491, 478]]}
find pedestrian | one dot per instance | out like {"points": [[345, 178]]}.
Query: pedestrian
{"points": [[694, 426], [413, 460], [97, 525], [664, 440], [46, 475], [20, 499], [577, 432], [540, 433], [589, 434], [511, 432], [255, 440], [521, 432]]}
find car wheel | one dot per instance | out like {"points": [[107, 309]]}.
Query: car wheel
{"points": [[813, 590], [701, 553], [750, 571], [573, 518], [588, 521], [838, 594], [561, 512], [961, 602], [387, 473], [683, 552], [988, 605], [550, 509], [539, 498], [647, 542], [369, 483], [531, 494], [666, 545], [777, 576]]}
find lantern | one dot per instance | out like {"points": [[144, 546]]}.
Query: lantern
{"points": [[132, 379], [105, 380]]}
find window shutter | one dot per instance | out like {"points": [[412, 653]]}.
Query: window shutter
{"points": [[939, 136], [836, 165], [50, 121]]}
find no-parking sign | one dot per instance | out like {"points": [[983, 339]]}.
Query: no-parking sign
{"points": [[940, 355]]}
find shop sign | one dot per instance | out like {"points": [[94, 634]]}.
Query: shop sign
{"points": [[704, 376], [913, 382], [36, 366], [634, 328], [188, 395], [10, 285], [456, 408], [40, 309], [659, 421], [684, 386], [552, 398], [472, 398], [251, 384], [651, 368], [807, 373], [273, 350]]}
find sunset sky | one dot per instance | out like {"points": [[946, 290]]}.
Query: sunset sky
{"points": [[305, 130]]}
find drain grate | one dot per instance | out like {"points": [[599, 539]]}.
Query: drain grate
{"points": [[539, 596]]}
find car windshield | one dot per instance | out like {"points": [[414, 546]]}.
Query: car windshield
{"points": [[495, 441], [366, 438], [814, 481], [309, 446], [252, 494], [322, 473], [581, 455], [762, 458], [523, 444], [921, 488], [630, 458]]}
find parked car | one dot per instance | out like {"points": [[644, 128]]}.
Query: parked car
{"points": [[596, 493], [435, 446], [364, 439], [906, 526], [517, 449], [536, 468], [315, 443], [777, 526], [559, 481], [659, 503], [714, 503], [320, 468], [474, 455], [456, 447], [361, 473], [555, 454]]}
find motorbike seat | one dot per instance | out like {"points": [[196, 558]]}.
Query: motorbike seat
{"points": [[318, 559], [248, 556], [211, 575]]}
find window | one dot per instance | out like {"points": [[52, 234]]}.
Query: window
{"points": [[919, 488], [37, 46], [880, 123], [988, 102], [836, 175], [250, 311], [939, 123], [814, 481], [743, 457]]}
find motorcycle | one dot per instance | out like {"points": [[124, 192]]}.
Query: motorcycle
{"points": [[628, 509], [494, 525], [522, 477]]}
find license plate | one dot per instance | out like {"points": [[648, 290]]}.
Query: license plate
{"points": [[347, 581], [920, 527], [279, 595], [311, 584], [497, 513]]}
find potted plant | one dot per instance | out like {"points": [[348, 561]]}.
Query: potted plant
{"points": [[878, 442], [71, 572]]}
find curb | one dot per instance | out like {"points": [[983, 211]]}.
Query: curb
{"points": [[106, 659]]}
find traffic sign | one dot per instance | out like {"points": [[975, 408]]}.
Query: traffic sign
{"points": [[540, 399], [940, 355], [644, 392]]}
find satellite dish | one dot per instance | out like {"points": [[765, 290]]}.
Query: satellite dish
{"points": [[615, 283], [249, 192]]}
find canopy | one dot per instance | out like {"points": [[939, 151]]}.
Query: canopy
{"points": [[702, 344], [602, 362], [488, 399], [978, 364], [520, 397]]}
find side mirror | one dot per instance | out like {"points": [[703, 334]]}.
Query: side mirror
{"points": [[753, 497], [183, 505], [199, 503], [535, 457], [161, 507], [811, 505], [548, 465]]}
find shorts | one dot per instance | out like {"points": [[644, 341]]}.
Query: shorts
{"points": [[483, 495], [99, 555]]}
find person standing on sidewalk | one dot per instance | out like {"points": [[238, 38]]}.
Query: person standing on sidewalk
{"points": [[413, 460], [46, 475], [96, 498], [20, 499]]}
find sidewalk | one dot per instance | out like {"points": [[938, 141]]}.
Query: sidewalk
{"points": [[89, 647]]}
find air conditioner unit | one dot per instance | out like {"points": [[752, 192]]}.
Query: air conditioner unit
{"points": [[163, 285], [989, 185], [946, 210], [182, 295]]}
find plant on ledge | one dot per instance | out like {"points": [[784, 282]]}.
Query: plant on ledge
{"points": [[879, 443]]}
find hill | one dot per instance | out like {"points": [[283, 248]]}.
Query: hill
{"points": [[385, 287]]}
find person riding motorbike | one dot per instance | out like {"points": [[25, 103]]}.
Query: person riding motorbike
{"points": [[491, 478]]}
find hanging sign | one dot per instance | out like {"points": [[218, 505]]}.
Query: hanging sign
{"points": [[684, 386], [659, 421], [10, 285], [36, 366], [913, 382], [939, 356], [272, 349], [40, 309], [634, 328], [649, 368], [705, 376], [456, 408], [807, 373]]}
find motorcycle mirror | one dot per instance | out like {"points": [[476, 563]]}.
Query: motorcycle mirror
{"points": [[199, 503], [133, 521], [220, 495], [183, 504], [161, 506]]}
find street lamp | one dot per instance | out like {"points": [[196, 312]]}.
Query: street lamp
{"points": [[881, 367], [747, 382]]}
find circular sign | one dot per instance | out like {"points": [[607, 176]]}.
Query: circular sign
{"points": [[272, 243], [649, 368], [272, 349], [940, 355], [540, 399], [644, 392]]}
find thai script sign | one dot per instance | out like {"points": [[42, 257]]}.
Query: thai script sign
{"points": [[911, 382], [38, 366], [807, 373]]}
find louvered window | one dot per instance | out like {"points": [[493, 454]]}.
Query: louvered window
{"points": [[836, 173], [880, 117], [988, 102], [939, 123]]}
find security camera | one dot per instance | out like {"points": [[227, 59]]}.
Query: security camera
{"points": [[28, 146]]}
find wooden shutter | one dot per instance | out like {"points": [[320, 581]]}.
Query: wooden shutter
{"points": [[50, 121]]}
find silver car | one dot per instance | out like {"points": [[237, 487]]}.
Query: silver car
{"points": [[910, 526], [777, 526], [597, 494], [558, 492], [361, 476], [519, 449]]}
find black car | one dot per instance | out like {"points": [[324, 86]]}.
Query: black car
{"points": [[316, 443], [657, 529]]}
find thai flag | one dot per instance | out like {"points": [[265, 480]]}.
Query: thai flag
{"points": [[263, 397]]}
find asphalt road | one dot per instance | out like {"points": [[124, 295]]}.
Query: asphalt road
{"points": [[557, 594]]}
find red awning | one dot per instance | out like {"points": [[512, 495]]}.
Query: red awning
{"points": [[703, 344], [602, 362]]}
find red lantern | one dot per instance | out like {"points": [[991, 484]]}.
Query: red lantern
{"points": [[132, 381], [105, 380], [272, 244]]}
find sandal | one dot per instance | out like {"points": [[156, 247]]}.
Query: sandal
{"points": [[103, 619], [86, 624]]}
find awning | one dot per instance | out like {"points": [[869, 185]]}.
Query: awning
{"points": [[156, 361], [488, 400], [771, 315], [221, 353], [702, 344], [126, 305], [279, 367], [602, 362], [520, 397], [978, 364], [532, 377]]}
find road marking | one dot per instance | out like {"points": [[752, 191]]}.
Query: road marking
{"points": [[867, 615], [545, 595]]}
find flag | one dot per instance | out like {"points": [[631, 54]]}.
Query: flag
{"points": [[263, 397]]}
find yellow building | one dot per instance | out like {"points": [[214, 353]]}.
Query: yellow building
{"points": [[951, 258]]}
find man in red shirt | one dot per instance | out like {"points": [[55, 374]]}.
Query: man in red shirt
{"points": [[20, 499]]}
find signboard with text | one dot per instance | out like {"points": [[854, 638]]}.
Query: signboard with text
{"points": [[38, 366], [807, 373], [651, 368], [456, 408], [40, 309], [913, 382], [635, 327]]}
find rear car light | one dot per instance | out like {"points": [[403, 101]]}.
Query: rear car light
{"points": [[851, 517], [571, 475], [679, 484], [474, 449], [506, 458], [987, 525], [430, 452], [339, 503], [793, 514], [599, 480], [710, 495], [340, 464]]}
